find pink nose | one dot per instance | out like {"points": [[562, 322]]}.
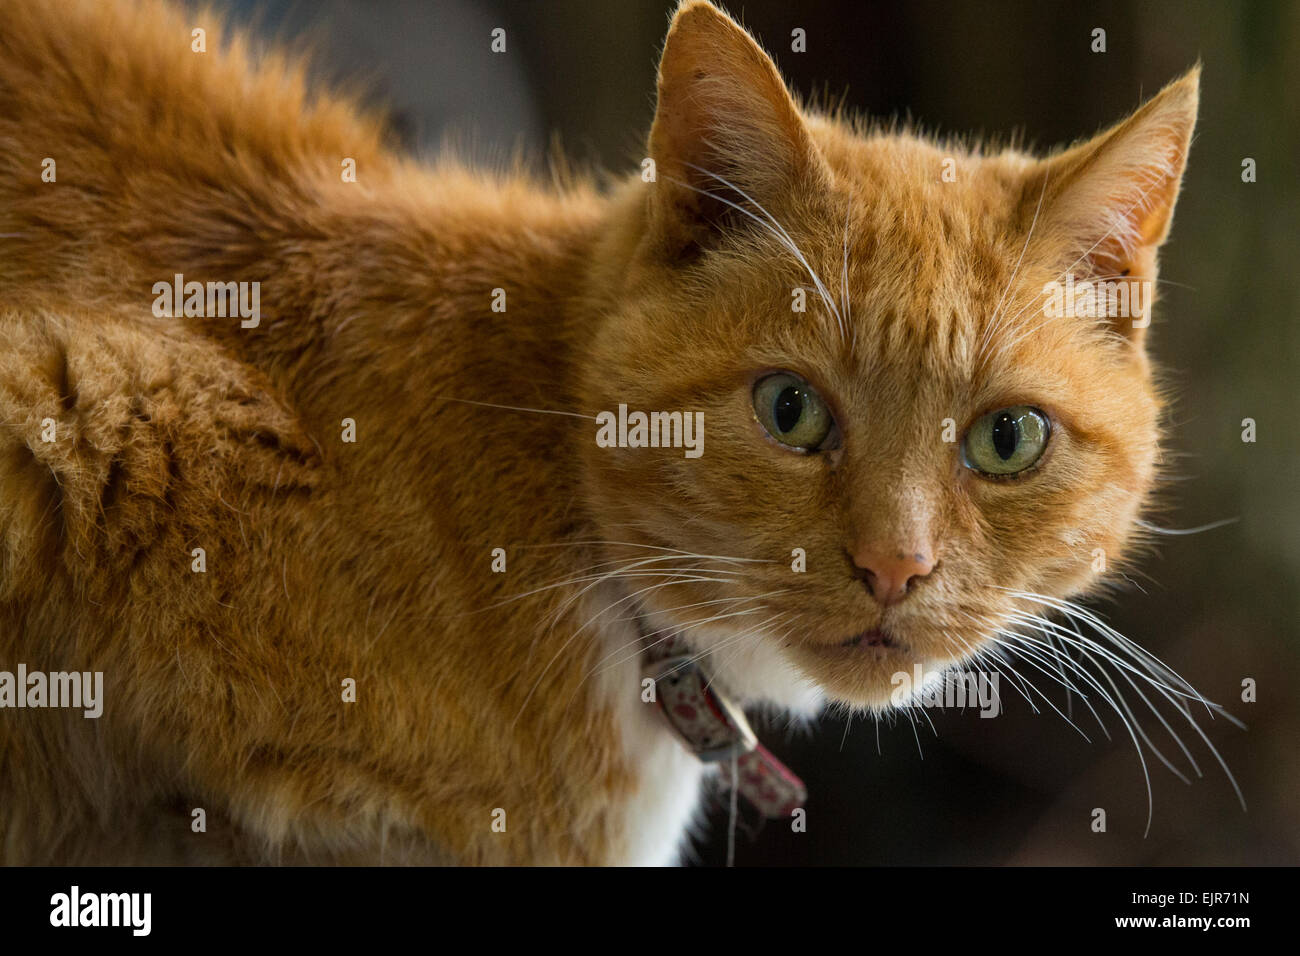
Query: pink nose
{"points": [[890, 575]]}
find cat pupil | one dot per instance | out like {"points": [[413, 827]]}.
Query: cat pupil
{"points": [[788, 408], [1005, 435]]}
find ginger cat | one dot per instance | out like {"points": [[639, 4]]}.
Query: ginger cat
{"points": [[274, 529]]}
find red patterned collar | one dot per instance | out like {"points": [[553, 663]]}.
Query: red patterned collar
{"points": [[715, 729]]}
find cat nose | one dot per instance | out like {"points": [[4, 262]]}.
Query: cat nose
{"points": [[890, 574]]}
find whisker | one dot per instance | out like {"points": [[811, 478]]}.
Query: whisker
{"points": [[677, 630], [576, 634], [1137, 725], [1042, 661], [1075, 612], [1148, 526], [988, 333], [649, 547], [1138, 663], [773, 227], [1034, 687], [512, 408]]}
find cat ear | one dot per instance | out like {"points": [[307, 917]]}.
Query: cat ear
{"points": [[724, 123], [1110, 201]]}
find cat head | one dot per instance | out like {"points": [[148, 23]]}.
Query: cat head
{"points": [[920, 402]]}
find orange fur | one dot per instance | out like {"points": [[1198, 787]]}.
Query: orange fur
{"points": [[371, 560]]}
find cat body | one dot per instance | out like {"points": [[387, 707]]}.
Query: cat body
{"points": [[362, 584]]}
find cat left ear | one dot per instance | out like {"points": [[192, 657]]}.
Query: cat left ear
{"points": [[1110, 201], [724, 123]]}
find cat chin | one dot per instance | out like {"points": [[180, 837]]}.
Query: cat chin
{"points": [[802, 681], [869, 678]]}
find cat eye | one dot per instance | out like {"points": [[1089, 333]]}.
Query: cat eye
{"points": [[1007, 441], [793, 413]]}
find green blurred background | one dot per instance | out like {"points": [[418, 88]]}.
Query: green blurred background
{"points": [[1219, 606]]}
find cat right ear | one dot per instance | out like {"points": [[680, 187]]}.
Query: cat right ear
{"points": [[726, 132], [1111, 199]]}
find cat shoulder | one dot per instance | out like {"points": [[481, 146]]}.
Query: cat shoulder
{"points": [[125, 442]]}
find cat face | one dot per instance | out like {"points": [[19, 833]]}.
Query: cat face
{"points": [[903, 437]]}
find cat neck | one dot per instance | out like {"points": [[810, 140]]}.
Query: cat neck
{"points": [[476, 290]]}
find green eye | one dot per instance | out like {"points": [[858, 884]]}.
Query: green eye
{"points": [[792, 412], [1007, 441]]}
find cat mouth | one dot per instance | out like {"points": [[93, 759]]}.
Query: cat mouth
{"points": [[875, 637]]}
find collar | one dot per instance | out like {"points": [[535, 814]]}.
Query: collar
{"points": [[713, 727]]}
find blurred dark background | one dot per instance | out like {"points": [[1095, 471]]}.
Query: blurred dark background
{"points": [[1219, 606]]}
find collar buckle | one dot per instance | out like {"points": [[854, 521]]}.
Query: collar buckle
{"points": [[711, 726]]}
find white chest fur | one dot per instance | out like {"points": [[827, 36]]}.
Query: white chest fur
{"points": [[650, 827]]}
